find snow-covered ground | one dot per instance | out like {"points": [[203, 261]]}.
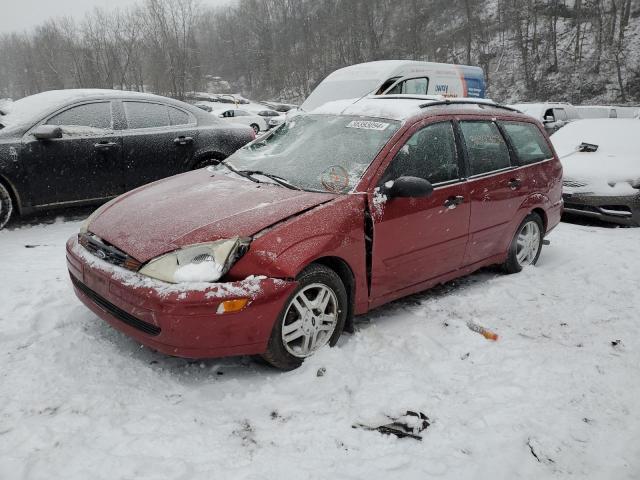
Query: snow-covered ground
{"points": [[79, 400]]}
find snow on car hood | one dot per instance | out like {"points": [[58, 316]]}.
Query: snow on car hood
{"points": [[195, 207], [614, 167]]}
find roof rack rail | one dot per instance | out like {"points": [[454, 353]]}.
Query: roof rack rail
{"points": [[467, 102]]}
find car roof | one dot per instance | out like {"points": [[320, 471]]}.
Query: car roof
{"points": [[403, 107], [384, 69], [26, 109], [538, 108]]}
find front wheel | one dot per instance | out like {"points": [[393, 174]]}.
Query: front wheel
{"points": [[6, 205], [526, 245], [312, 318]]}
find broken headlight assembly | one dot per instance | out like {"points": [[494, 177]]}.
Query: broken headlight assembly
{"points": [[202, 262]]}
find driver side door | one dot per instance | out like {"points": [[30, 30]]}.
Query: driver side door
{"points": [[416, 240]]}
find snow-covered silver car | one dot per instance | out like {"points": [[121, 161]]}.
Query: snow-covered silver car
{"points": [[601, 163]]}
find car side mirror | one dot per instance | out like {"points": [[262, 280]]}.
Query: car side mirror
{"points": [[47, 132], [549, 119], [406, 186]]}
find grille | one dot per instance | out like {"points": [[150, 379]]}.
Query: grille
{"points": [[108, 253], [117, 312], [573, 183]]}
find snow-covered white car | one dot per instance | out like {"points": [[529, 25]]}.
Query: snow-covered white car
{"points": [[255, 121], [553, 115], [272, 118], [601, 168]]}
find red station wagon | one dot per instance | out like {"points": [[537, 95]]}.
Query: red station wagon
{"points": [[336, 212]]}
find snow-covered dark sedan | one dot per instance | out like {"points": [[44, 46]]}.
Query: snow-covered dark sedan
{"points": [[74, 147]]}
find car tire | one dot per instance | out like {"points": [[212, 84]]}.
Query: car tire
{"points": [[256, 128], [6, 205], [310, 324], [526, 245]]}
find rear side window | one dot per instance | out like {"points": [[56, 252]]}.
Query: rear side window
{"points": [[178, 117], [430, 153], [94, 115], [146, 115], [529, 144], [486, 148]]}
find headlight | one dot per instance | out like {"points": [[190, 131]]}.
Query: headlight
{"points": [[203, 262]]}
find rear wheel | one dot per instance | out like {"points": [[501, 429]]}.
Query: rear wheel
{"points": [[256, 128], [312, 318], [6, 205], [526, 244]]}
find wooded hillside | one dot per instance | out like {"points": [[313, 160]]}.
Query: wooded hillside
{"points": [[583, 51]]}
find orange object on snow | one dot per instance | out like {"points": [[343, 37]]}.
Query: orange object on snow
{"points": [[488, 334]]}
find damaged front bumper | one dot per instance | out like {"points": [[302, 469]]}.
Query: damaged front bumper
{"points": [[178, 319]]}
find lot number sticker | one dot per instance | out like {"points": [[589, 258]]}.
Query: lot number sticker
{"points": [[367, 125]]}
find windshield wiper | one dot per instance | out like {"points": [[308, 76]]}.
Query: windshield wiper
{"points": [[279, 180], [248, 174], [242, 173]]}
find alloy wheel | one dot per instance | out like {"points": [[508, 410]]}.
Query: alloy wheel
{"points": [[528, 243], [310, 320]]}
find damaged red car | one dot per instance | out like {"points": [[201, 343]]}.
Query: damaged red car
{"points": [[275, 249]]}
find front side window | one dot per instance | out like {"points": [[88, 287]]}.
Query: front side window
{"points": [[414, 86], [549, 116], [146, 115], [241, 113], [485, 146], [430, 153], [529, 144], [92, 115], [318, 152]]}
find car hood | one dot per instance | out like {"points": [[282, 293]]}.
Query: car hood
{"points": [[613, 169], [195, 207]]}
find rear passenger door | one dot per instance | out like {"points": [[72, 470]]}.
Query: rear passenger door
{"points": [[495, 189], [158, 141]]}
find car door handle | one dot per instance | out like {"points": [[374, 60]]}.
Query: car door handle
{"points": [[453, 202], [105, 145], [514, 183], [183, 140]]}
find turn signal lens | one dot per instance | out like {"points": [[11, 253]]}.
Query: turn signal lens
{"points": [[234, 305]]}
